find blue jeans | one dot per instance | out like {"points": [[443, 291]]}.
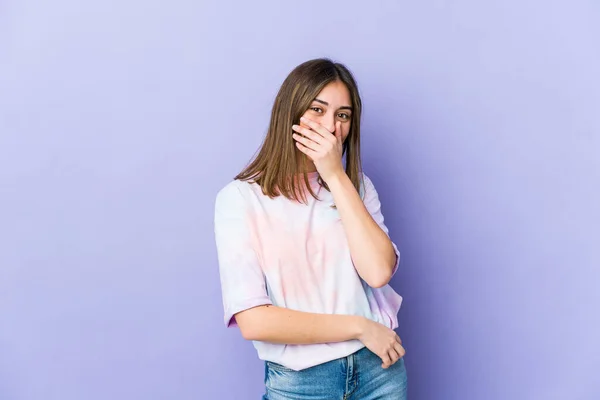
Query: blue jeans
{"points": [[356, 377]]}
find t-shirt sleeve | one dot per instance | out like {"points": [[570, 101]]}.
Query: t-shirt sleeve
{"points": [[373, 205], [243, 283]]}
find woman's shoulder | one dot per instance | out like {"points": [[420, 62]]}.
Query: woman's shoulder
{"points": [[234, 192]]}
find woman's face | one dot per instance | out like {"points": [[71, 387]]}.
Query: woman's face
{"points": [[331, 105]]}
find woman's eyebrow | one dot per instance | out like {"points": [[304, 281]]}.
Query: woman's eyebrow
{"points": [[326, 103]]}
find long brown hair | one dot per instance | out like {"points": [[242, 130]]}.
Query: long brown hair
{"points": [[275, 167]]}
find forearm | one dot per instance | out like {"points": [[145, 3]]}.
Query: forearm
{"points": [[371, 249], [282, 325]]}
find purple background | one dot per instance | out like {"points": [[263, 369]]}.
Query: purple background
{"points": [[120, 120]]}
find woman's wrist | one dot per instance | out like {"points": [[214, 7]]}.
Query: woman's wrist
{"points": [[336, 179], [358, 326]]}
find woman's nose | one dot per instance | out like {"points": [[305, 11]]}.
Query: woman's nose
{"points": [[329, 123]]}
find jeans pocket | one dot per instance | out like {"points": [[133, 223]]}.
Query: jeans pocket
{"points": [[278, 367]]}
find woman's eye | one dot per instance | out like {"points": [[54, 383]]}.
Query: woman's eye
{"points": [[343, 115], [316, 109]]}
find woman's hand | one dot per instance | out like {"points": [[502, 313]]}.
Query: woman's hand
{"points": [[324, 148], [382, 341]]}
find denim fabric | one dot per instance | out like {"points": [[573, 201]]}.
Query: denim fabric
{"points": [[358, 376]]}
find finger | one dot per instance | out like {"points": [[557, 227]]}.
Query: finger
{"points": [[306, 142], [318, 128], [386, 360], [400, 350], [398, 339], [306, 132], [310, 153], [394, 356]]}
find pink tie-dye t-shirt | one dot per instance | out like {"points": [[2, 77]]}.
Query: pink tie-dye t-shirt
{"points": [[294, 255]]}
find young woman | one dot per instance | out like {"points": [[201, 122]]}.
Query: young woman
{"points": [[304, 255]]}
